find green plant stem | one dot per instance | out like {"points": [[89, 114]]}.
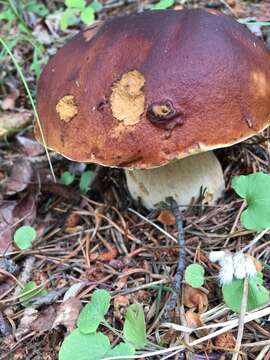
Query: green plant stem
{"points": [[18, 16], [31, 101], [119, 334], [116, 332]]}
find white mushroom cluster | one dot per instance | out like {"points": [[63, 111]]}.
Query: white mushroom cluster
{"points": [[238, 265]]}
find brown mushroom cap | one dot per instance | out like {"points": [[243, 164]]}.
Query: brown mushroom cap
{"points": [[141, 90]]}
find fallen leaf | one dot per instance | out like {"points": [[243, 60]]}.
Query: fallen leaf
{"points": [[19, 178], [8, 103], [29, 146], [12, 121], [45, 320], [195, 298], [106, 256], [166, 217], [6, 220], [225, 341], [10, 214], [5, 328], [34, 320], [193, 319], [26, 210], [68, 313], [29, 315]]}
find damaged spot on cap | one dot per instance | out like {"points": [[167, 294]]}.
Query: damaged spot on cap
{"points": [[67, 108], [161, 110], [127, 98], [249, 121], [259, 81], [165, 115]]}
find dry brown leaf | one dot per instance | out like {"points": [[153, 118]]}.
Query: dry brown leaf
{"points": [[29, 316], [166, 217], [26, 209], [45, 320], [225, 341], [202, 258], [19, 178], [10, 121], [6, 220], [193, 319], [5, 328], [34, 320], [67, 314], [30, 146], [8, 103], [106, 256], [195, 298], [11, 213]]}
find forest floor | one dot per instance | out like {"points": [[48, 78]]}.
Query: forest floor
{"points": [[92, 235]]}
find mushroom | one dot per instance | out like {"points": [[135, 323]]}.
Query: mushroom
{"points": [[155, 93]]}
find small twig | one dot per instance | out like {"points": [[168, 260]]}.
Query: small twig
{"points": [[241, 320], [8, 274], [90, 239], [153, 224], [257, 344], [243, 205], [263, 352], [170, 306]]}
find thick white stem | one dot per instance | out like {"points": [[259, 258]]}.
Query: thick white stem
{"points": [[181, 179]]}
